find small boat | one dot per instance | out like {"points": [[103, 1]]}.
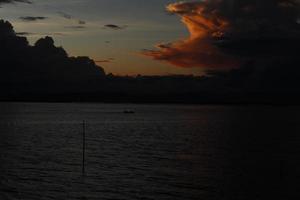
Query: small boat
{"points": [[128, 112]]}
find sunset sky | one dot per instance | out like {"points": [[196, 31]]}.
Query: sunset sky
{"points": [[80, 27], [162, 37]]}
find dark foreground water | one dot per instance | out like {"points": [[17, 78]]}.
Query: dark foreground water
{"points": [[160, 152]]}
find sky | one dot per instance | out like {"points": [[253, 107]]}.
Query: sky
{"points": [[112, 32], [163, 37]]}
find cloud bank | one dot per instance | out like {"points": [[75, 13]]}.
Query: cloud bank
{"points": [[45, 72], [43, 66], [226, 33], [32, 18]]}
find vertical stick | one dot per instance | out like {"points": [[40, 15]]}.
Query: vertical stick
{"points": [[281, 172], [83, 147]]}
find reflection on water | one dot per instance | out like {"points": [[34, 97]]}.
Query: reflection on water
{"points": [[160, 152]]}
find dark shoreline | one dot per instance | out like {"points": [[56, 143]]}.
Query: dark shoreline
{"points": [[277, 104]]}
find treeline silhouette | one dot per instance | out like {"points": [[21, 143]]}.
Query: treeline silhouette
{"points": [[44, 72]]}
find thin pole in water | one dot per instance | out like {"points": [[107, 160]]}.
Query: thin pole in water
{"points": [[83, 147]]}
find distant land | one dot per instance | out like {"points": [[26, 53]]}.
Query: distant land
{"points": [[44, 72]]}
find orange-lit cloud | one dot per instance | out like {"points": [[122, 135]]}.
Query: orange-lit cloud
{"points": [[198, 50], [225, 33], [109, 60]]}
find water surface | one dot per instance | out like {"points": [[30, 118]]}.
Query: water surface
{"points": [[160, 152]]}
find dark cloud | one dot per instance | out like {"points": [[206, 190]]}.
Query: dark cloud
{"points": [[32, 18], [75, 27], [6, 30], [70, 17], [40, 34], [13, 1], [109, 60], [24, 33], [227, 33], [65, 15], [102, 61], [114, 27], [43, 66]]}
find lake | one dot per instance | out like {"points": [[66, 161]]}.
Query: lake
{"points": [[159, 152]]}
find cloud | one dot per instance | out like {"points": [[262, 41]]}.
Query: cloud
{"points": [[31, 18], [226, 33], [114, 27], [109, 60], [13, 1], [75, 27], [65, 15], [70, 17], [44, 71], [43, 65], [24, 33], [39, 34]]}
